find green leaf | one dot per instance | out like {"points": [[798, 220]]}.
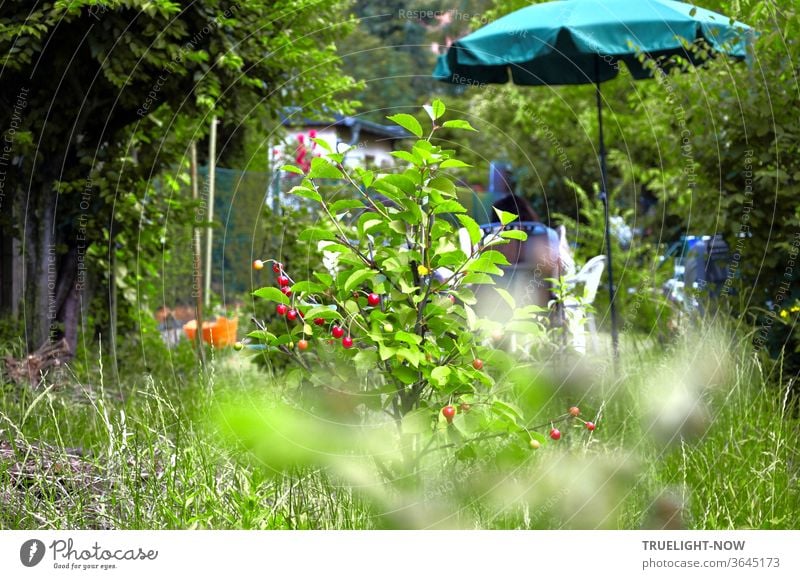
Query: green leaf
{"points": [[322, 169], [514, 234], [357, 278], [316, 234], [439, 375], [402, 182], [272, 294], [323, 143], [324, 312], [408, 338], [483, 266], [507, 297], [261, 335], [308, 287], [412, 356], [408, 122], [438, 109], [301, 191], [442, 183], [405, 374], [325, 278], [495, 257], [386, 352], [449, 207], [417, 421], [343, 205], [453, 163], [506, 409], [405, 156], [292, 169], [458, 124], [466, 295], [367, 177], [505, 216], [477, 278], [472, 227]]}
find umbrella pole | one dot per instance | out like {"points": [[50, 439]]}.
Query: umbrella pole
{"points": [[604, 198]]}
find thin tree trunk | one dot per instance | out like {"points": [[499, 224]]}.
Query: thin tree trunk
{"points": [[40, 268]]}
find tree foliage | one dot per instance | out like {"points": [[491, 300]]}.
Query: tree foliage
{"points": [[108, 96], [695, 151]]}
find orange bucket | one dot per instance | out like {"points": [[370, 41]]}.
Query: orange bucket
{"points": [[219, 333]]}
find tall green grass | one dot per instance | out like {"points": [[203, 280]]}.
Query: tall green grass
{"points": [[141, 454]]}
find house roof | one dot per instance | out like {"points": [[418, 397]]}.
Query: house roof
{"points": [[294, 118]]}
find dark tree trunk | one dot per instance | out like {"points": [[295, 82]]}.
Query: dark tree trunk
{"points": [[40, 267], [69, 298], [51, 295]]}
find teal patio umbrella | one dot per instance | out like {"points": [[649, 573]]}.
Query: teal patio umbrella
{"points": [[572, 42]]}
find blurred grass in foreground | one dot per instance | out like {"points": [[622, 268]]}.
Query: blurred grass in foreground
{"points": [[690, 438]]}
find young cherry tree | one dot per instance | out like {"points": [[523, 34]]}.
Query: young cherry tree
{"points": [[387, 332]]}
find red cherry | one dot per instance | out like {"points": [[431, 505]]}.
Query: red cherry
{"points": [[319, 321], [347, 342], [590, 426], [477, 363], [291, 315], [574, 411], [448, 412], [373, 299], [283, 280], [337, 332], [277, 267], [282, 309], [302, 345], [286, 291], [555, 434]]}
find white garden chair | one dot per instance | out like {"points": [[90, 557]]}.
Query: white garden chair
{"points": [[577, 307]]}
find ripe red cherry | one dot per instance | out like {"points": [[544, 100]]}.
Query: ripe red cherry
{"points": [[302, 345], [337, 332], [574, 411], [283, 280], [277, 267], [477, 363], [347, 342], [449, 412], [319, 321], [555, 433], [590, 426], [282, 309], [286, 291], [373, 299], [291, 315]]}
